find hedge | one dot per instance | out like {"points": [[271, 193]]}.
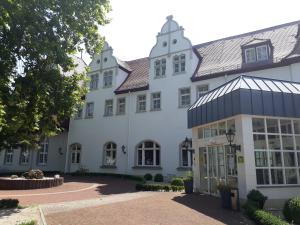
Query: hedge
{"points": [[158, 178], [125, 176], [177, 181], [291, 210], [158, 187], [9, 203], [262, 217]]}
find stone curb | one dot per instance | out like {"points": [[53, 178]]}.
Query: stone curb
{"points": [[43, 220]]}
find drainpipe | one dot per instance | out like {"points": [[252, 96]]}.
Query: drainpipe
{"points": [[67, 152], [128, 131]]}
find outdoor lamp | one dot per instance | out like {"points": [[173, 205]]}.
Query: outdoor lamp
{"points": [[187, 143], [123, 149], [230, 137]]}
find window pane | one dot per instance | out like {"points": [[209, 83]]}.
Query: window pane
{"points": [[298, 155], [157, 157], [297, 126], [140, 157], [287, 142], [274, 142], [149, 157], [277, 176], [272, 126], [291, 176], [250, 55], [200, 133], [231, 125], [214, 130], [207, 132], [258, 125], [259, 141], [297, 142], [222, 128], [275, 159], [262, 53], [289, 159], [286, 126], [148, 144], [261, 159], [184, 157], [262, 176]]}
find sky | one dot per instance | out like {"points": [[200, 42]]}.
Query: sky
{"points": [[135, 23]]}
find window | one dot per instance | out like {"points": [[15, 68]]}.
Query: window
{"points": [[43, 152], [256, 54], [107, 79], [89, 113], [160, 68], [121, 106], [108, 108], [24, 156], [94, 82], [201, 90], [184, 97], [148, 154], [79, 113], [155, 101], [275, 151], [179, 63], [8, 157], [75, 153], [141, 103], [185, 157], [216, 129], [110, 153]]}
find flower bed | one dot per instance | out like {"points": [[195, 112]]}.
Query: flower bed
{"points": [[23, 184]]}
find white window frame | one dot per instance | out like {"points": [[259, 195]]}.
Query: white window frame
{"points": [[121, 106], [9, 156], [179, 64], [141, 100], [43, 152], [89, 110], [213, 129], [111, 148], [154, 100], [107, 79], [182, 95], [75, 154], [143, 149], [252, 60], [282, 151], [160, 68], [266, 53], [109, 104], [94, 82], [24, 156], [256, 54], [201, 90], [189, 155]]}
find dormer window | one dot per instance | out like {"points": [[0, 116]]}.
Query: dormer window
{"points": [[160, 68], [257, 51]]}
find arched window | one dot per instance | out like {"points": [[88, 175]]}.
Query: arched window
{"points": [[75, 153], [148, 154], [185, 156], [110, 154]]}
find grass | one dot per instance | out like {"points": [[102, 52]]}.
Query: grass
{"points": [[31, 222]]}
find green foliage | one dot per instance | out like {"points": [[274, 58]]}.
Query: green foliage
{"points": [[13, 176], [177, 181], [32, 222], [258, 197], [291, 210], [9, 203], [148, 176], [33, 174], [223, 187], [250, 207], [157, 187], [265, 218], [158, 178], [43, 36]]}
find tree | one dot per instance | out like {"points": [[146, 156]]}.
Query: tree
{"points": [[42, 35]]}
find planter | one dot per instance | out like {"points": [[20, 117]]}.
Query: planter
{"points": [[225, 198], [188, 186]]}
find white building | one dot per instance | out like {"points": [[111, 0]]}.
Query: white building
{"points": [[135, 115]]}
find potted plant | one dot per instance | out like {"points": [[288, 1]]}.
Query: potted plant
{"points": [[188, 184], [225, 194]]}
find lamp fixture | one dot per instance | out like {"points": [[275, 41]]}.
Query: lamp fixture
{"points": [[123, 149], [230, 138]]}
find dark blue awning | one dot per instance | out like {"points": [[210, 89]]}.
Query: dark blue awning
{"points": [[247, 95]]}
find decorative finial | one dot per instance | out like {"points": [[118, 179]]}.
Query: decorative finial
{"points": [[170, 17]]}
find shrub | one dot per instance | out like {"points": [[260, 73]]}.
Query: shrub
{"points": [[291, 210], [9, 203], [13, 176], [177, 181], [177, 188], [157, 187], [250, 207], [258, 197], [32, 222], [265, 218], [148, 176], [166, 188], [158, 178], [33, 174]]}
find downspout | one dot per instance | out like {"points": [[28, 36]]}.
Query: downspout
{"points": [[128, 131], [67, 152]]}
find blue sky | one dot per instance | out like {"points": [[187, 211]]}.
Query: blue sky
{"points": [[135, 23]]}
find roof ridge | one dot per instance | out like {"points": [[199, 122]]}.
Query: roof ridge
{"points": [[249, 33]]}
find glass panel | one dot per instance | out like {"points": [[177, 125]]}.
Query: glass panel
{"points": [[232, 86], [286, 126], [251, 83], [207, 132], [274, 142], [262, 176], [200, 133], [298, 156], [291, 87], [258, 125], [184, 157], [289, 159], [214, 130], [149, 157], [272, 85], [297, 126], [275, 159], [261, 159], [222, 128], [291, 176], [272, 126], [259, 141], [140, 157], [277, 176], [297, 142], [287, 142], [231, 125], [262, 85], [221, 163], [148, 144], [281, 86], [157, 157]]}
